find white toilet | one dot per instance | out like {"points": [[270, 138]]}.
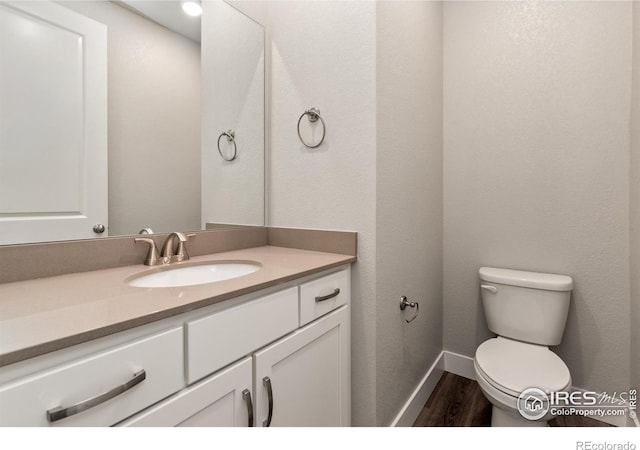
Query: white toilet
{"points": [[528, 312]]}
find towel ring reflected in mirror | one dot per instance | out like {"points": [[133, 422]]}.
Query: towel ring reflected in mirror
{"points": [[314, 116], [231, 137]]}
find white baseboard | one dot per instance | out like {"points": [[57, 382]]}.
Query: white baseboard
{"points": [[462, 365], [459, 364], [446, 362], [411, 409]]}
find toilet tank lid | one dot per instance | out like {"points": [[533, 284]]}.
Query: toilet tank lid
{"points": [[534, 280]]}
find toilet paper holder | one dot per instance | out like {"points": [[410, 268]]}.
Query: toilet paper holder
{"points": [[404, 302]]}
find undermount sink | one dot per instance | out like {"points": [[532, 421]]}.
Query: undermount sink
{"points": [[194, 273]]}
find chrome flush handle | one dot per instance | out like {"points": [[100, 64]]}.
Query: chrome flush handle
{"points": [[489, 288]]}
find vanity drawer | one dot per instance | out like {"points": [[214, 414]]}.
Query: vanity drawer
{"points": [[157, 361], [223, 337], [321, 296]]}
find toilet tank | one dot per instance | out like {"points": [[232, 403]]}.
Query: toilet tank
{"points": [[527, 306]]}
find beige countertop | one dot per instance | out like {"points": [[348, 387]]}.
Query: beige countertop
{"points": [[46, 314]]}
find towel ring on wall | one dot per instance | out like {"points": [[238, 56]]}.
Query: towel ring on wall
{"points": [[314, 115], [231, 137], [404, 302]]}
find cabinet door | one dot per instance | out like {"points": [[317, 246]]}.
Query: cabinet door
{"points": [[308, 374], [222, 400]]}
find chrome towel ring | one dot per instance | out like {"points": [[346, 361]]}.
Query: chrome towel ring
{"points": [[314, 115], [404, 302], [231, 137]]}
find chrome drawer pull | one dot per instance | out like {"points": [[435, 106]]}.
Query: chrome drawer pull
{"points": [[246, 395], [59, 412], [266, 381], [335, 293]]}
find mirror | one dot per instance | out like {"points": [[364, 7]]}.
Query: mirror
{"points": [[114, 113]]}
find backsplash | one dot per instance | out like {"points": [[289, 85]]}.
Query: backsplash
{"points": [[28, 261]]}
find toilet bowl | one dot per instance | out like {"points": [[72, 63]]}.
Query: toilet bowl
{"points": [[516, 370], [505, 368]]}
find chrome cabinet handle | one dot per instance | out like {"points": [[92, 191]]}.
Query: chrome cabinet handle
{"points": [[246, 396], [59, 412], [266, 381], [328, 296]]}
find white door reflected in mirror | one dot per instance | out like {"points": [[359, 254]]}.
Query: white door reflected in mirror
{"points": [[53, 124], [59, 173]]}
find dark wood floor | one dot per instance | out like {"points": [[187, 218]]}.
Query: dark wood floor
{"points": [[458, 402]]}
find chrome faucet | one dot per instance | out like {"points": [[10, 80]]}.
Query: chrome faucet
{"points": [[176, 254], [169, 252]]}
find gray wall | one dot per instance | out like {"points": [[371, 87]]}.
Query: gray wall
{"points": [[534, 165], [323, 54], [536, 168], [154, 122], [381, 98], [635, 203], [408, 198]]}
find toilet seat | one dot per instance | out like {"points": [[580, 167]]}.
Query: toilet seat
{"points": [[513, 366]]}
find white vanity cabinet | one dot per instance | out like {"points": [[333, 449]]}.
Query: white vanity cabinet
{"points": [[277, 359], [303, 379], [300, 380]]}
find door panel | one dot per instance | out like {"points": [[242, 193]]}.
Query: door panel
{"points": [[53, 123]]}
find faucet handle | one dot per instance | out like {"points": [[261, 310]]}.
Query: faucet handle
{"points": [[152, 258], [181, 251]]}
